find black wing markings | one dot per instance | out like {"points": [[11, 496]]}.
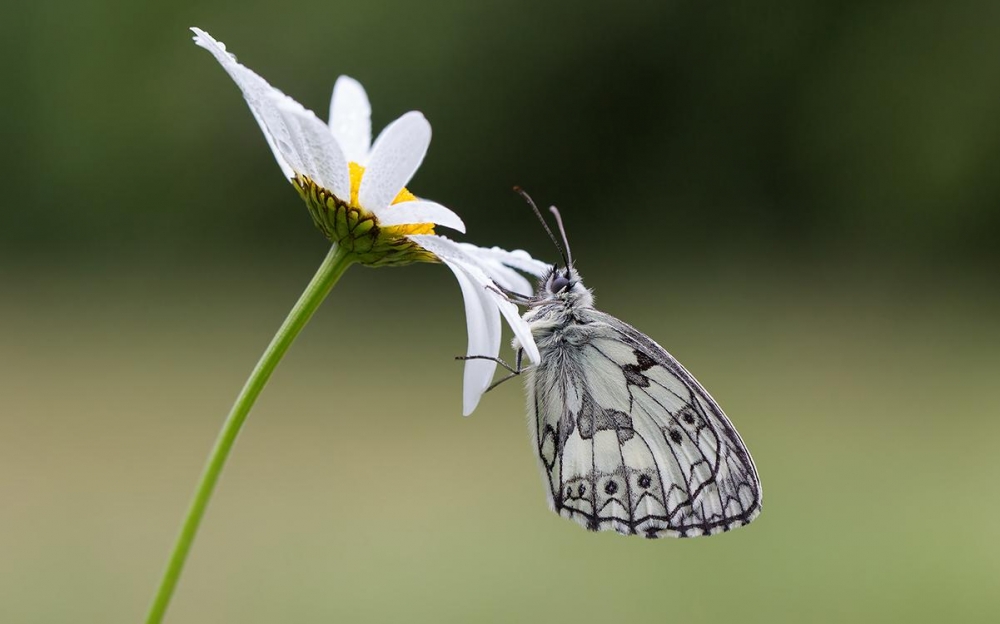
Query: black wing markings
{"points": [[729, 449]]}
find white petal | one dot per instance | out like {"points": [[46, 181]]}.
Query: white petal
{"points": [[455, 255], [504, 276], [394, 159], [314, 147], [518, 259], [351, 119], [518, 325], [488, 262], [498, 263], [420, 211], [301, 143], [483, 324], [256, 91]]}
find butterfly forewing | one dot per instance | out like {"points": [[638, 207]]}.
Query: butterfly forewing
{"points": [[629, 441]]}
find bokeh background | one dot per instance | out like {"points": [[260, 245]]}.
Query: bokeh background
{"points": [[799, 199]]}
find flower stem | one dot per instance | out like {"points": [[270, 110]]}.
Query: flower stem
{"points": [[334, 265]]}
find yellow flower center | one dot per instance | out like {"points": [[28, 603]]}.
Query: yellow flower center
{"points": [[404, 195], [356, 172]]}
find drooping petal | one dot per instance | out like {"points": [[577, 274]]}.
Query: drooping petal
{"points": [[301, 143], [499, 264], [461, 262], [394, 159], [518, 325], [504, 276], [483, 323], [471, 259], [320, 157], [518, 259], [420, 211], [351, 119]]}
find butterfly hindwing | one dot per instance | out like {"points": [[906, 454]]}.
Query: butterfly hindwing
{"points": [[629, 441]]}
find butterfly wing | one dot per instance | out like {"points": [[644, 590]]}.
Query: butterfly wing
{"points": [[629, 440]]}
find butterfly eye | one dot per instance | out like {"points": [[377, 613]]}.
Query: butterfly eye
{"points": [[559, 283]]}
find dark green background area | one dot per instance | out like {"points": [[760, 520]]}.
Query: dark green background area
{"points": [[799, 200], [802, 128]]}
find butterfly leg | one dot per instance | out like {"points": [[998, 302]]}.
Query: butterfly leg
{"points": [[513, 373], [515, 370], [510, 295]]}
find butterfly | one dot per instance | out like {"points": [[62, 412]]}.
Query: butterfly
{"points": [[626, 438]]}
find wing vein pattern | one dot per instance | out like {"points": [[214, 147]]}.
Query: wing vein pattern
{"points": [[629, 441]]}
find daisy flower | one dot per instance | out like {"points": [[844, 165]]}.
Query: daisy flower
{"points": [[355, 190]]}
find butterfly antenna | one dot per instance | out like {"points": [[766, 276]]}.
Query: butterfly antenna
{"points": [[538, 213], [562, 231]]}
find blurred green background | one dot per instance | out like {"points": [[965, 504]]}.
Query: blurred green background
{"points": [[799, 199]]}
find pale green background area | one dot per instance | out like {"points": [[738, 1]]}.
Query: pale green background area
{"points": [[359, 493], [798, 199]]}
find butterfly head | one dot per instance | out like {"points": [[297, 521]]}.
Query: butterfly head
{"points": [[560, 281], [563, 284]]}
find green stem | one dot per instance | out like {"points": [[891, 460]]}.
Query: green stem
{"points": [[334, 265]]}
